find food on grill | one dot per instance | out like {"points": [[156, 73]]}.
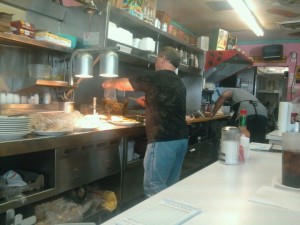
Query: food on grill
{"points": [[114, 107]]}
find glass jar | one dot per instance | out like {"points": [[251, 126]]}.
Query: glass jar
{"points": [[230, 143]]}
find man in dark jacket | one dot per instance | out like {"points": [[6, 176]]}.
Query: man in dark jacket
{"points": [[167, 132]]}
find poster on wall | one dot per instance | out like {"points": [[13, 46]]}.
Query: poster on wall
{"points": [[297, 74]]}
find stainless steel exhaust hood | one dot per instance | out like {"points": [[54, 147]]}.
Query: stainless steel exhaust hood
{"points": [[222, 64]]}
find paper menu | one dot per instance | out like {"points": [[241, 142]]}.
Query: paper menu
{"points": [[260, 146], [167, 212]]}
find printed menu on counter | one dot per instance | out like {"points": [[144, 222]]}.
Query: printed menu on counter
{"points": [[167, 212]]}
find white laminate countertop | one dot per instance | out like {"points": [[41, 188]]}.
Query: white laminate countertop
{"points": [[222, 192]]}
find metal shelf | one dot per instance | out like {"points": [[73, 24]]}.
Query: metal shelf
{"points": [[143, 58], [143, 29], [27, 199], [23, 84]]}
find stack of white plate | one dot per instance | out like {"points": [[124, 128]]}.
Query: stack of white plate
{"points": [[12, 128]]}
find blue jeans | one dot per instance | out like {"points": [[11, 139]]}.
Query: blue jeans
{"points": [[162, 164]]}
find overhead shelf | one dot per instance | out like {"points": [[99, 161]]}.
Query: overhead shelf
{"points": [[17, 40], [131, 23], [136, 56], [22, 84], [222, 64]]}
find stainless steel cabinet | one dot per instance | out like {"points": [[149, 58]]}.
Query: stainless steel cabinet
{"points": [[79, 165]]}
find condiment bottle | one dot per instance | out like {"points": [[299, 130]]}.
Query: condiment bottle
{"points": [[245, 136]]}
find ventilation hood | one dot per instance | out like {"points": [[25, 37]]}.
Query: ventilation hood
{"points": [[222, 64]]}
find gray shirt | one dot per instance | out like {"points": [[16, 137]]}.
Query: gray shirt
{"points": [[245, 98]]}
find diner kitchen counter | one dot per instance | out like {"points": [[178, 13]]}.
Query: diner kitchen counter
{"points": [[206, 119], [35, 143], [222, 192]]}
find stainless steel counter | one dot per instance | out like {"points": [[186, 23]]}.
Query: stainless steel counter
{"points": [[35, 143]]}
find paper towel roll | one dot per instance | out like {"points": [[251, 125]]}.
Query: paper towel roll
{"points": [[284, 116]]}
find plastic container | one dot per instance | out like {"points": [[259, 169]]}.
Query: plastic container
{"points": [[58, 74], [291, 159], [40, 71], [73, 39]]}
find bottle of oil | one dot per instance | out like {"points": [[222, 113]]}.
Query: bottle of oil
{"points": [[245, 136]]}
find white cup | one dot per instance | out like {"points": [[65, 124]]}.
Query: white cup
{"points": [[9, 98], [16, 99], [136, 42], [24, 99], [3, 98]]}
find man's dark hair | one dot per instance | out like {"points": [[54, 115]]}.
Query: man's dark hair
{"points": [[171, 54]]}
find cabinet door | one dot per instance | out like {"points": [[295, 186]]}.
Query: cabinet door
{"points": [[81, 165], [132, 185]]}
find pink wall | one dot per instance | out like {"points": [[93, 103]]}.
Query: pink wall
{"points": [[288, 48]]}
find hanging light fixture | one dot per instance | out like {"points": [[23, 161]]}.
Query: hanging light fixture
{"points": [[84, 63], [246, 15], [91, 9], [109, 64]]}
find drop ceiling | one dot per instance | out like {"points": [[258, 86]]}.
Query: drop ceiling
{"points": [[280, 19]]}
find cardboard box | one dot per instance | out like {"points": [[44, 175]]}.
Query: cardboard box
{"points": [[46, 36], [23, 32], [203, 43], [6, 16], [143, 9], [163, 17], [173, 30], [218, 40], [193, 40], [21, 24]]}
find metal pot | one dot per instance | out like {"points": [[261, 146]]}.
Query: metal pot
{"points": [[67, 106]]}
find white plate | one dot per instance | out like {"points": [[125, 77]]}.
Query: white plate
{"points": [[14, 131], [14, 119], [51, 133], [124, 123], [277, 182], [14, 124]]}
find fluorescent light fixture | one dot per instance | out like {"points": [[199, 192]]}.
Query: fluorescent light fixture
{"points": [[246, 15]]}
